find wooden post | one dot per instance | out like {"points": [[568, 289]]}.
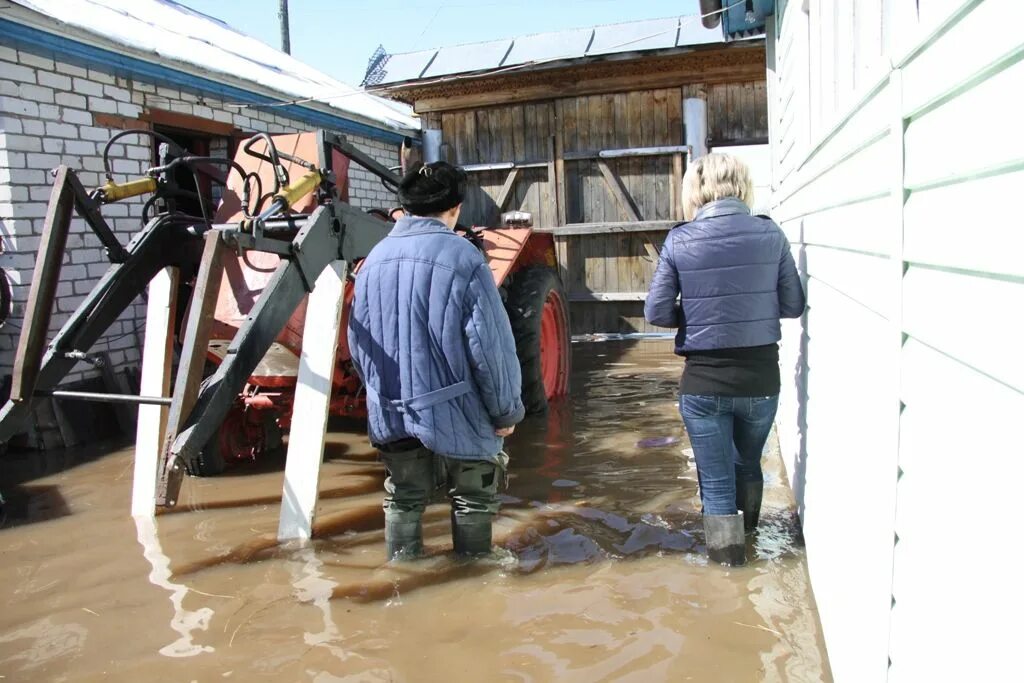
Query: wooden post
{"points": [[550, 196], [312, 400], [196, 341], [560, 192], [42, 294], [157, 352], [676, 186]]}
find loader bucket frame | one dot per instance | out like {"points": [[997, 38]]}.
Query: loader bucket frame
{"points": [[306, 244]]}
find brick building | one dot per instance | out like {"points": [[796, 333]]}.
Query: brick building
{"points": [[71, 79]]}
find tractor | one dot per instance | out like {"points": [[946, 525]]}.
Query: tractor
{"points": [[247, 268]]}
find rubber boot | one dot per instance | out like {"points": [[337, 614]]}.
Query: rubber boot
{"points": [[725, 541], [403, 537], [471, 535], [748, 501]]}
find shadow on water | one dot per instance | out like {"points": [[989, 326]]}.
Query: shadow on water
{"points": [[606, 475], [24, 503]]}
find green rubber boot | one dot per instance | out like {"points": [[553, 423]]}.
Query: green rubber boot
{"points": [[471, 535], [403, 537], [748, 501], [725, 540]]}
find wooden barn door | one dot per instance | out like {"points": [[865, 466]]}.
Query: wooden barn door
{"points": [[618, 209]]}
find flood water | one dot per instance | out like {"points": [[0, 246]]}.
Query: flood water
{"points": [[599, 573]]}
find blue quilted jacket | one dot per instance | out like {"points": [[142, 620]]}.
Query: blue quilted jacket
{"points": [[734, 276], [432, 342]]}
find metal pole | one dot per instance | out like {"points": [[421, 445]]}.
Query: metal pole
{"points": [[107, 398], [282, 15]]}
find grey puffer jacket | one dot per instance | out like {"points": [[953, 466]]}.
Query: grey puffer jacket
{"points": [[734, 276]]}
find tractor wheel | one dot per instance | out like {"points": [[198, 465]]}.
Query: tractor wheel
{"points": [[211, 458], [536, 306], [242, 435]]}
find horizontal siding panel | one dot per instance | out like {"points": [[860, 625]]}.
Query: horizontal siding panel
{"points": [[974, 319], [872, 118], [870, 121], [865, 279], [865, 226], [952, 141], [859, 177], [946, 55], [850, 427], [794, 231], [955, 419], [914, 22], [968, 226]]}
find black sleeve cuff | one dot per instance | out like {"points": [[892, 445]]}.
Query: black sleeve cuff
{"points": [[510, 420]]}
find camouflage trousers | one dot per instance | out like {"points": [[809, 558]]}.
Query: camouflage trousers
{"points": [[413, 477]]}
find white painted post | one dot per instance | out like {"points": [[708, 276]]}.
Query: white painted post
{"points": [[156, 381], [312, 400]]}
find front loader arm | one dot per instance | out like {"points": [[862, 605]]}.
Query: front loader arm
{"points": [[334, 231]]}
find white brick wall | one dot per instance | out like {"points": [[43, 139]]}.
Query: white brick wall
{"points": [[47, 112]]}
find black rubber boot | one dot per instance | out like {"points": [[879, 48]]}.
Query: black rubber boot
{"points": [[748, 501], [403, 538], [471, 535], [725, 541]]}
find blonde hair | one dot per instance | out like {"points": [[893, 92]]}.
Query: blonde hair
{"points": [[712, 177]]}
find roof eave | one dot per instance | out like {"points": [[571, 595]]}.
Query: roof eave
{"points": [[41, 22], [397, 89]]}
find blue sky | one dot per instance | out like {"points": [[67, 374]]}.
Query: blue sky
{"points": [[338, 36]]}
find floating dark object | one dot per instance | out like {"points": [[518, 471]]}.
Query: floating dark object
{"points": [[657, 441]]}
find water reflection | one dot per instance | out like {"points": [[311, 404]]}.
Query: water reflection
{"points": [[184, 621], [313, 586]]}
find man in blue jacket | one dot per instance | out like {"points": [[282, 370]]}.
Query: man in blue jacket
{"points": [[432, 342]]}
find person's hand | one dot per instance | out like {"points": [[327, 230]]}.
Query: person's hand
{"points": [[505, 431]]}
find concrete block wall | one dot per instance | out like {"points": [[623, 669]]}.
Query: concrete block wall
{"points": [[49, 118]]}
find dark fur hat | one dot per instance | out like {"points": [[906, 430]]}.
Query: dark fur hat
{"points": [[432, 188]]}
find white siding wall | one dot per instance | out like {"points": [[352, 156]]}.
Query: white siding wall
{"points": [[48, 110], [898, 167]]}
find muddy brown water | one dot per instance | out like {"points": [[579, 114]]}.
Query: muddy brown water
{"points": [[599, 573]]}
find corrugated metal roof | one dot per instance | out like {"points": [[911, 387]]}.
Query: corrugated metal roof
{"points": [[633, 36], [459, 58]]}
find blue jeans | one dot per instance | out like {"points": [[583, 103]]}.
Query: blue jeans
{"points": [[728, 434]]}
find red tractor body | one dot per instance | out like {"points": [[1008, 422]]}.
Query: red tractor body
{"points": [[521, 260]]}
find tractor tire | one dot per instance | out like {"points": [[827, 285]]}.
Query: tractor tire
{"points": [[232, 439], [537, 309], [211, 459]]}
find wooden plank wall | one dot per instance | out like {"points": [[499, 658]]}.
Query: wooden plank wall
{"points": [[649, 118], [617, 263], [521, 133], [737, 111]]}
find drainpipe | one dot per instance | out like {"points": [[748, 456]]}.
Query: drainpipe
{"points": [[695, 122], [432, 146], [706, 8]]}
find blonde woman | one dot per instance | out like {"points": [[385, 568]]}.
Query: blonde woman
{"points": [[724, 279]]}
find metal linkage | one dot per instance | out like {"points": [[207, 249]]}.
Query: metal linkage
{"points": [[333, 231]]}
